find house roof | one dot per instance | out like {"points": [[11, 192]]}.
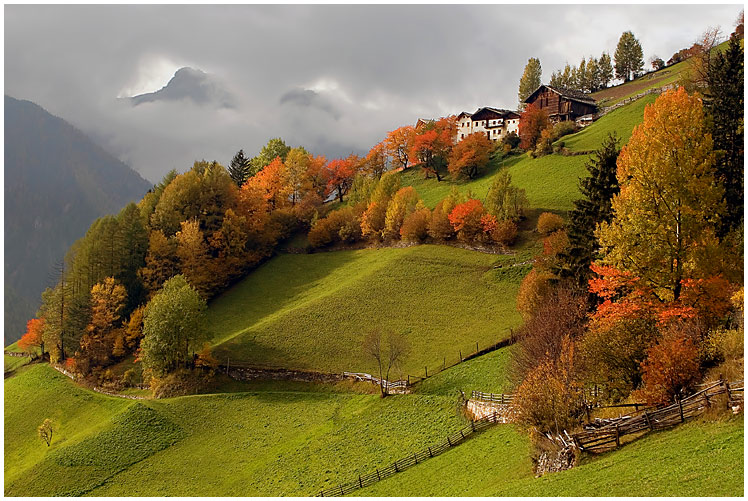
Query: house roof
{"points": [[574, 95], [487, 110]]}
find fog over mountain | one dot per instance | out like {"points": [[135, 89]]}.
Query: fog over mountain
{"points": [[333, 78]]}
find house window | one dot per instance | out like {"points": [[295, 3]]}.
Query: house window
{"points": [[462, 136]]}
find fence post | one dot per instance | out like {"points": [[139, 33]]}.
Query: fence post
{"points": [[378, 477], [706, 398], [444, 363], [321, 494], [449, 441], [476, 347], [431, 454], [494, 416], [646, 418], [460, 355], [618, 436], [502, 398], [360, 484], [341, 489], [396, 470], [427, 371], [680, 408], [415, 456], [408, 379], [228, 361], [472, 423]]}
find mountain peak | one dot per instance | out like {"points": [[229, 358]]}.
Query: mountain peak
{"points": [[189, 84]]}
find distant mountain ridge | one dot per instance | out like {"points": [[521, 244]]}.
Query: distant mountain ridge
{"points": [[57, 182], [192, 84]]}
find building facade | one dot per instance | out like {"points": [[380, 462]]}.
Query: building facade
{"points": [[562, 104], [495, 123]]}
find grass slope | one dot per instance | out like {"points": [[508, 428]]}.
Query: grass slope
{"points": [[313, 311], [551, 181], [695, 459], [236, 444]]}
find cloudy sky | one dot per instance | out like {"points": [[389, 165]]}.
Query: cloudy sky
{"points": [[334, 79]]}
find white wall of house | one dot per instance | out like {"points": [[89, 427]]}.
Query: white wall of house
{"points": [[496, 129]]}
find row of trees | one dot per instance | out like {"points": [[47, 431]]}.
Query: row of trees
{"points": [[591, 75], [381, 210], [653, 250]]}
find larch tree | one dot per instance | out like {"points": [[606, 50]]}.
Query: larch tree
{"points": [[665, 216], [605, 68], [470, 156], [399, 143], [530, 80], [629, 57]]}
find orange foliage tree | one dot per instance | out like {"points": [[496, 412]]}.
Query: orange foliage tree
{"points": [[271, 180], [33, 336], [432, 145], [466, 219], [399, 144], [671, 368], [470, 156]]}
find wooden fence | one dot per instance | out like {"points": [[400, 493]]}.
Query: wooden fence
{"points": [[499, 398], [607, 434], [410, 460], [400, 385]]}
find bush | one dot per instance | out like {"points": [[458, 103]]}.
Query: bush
{"points": [[671, 368], [401, 205], [504, 200], [532, 291], [565, 128], [505, 232], [440, 228], [511, 141], [466, 220], [544, 144], [342, 225], [549, 222], [415, 226]]}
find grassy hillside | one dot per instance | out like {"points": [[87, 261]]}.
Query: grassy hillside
{"points": [[313, 311], [551, 181], [237, 444], [695, 459]]}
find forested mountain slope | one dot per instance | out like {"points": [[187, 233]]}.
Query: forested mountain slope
{"points": [[57, 181]]}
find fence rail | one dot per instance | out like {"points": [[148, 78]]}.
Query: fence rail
{"points": [[410, 460], [607, 434], [389, 385], [499, 398]]}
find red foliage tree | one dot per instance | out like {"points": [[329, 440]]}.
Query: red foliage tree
{"points": [[470, 156], [671, 368], [432, 145], [532, 122], [466, 219], [340, 174], [399, 144]]}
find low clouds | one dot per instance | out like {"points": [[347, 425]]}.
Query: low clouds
{"points": [[306, 98], [189, 84], [333, 78]]}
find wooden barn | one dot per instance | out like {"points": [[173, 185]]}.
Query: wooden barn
{"points": [[562, 104]]}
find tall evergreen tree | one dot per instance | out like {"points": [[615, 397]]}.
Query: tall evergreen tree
{"points": [[240, 168], [629, 57], [530, 80], [724, 103], [593, 208], [605, 67]]}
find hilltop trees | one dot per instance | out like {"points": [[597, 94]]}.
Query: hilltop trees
{"points": [[628, 57], [433, 144], [663, 229], [341, 172], [470, 156], [172, 327], [240, 168], [530, 80], [590, 76], [399, 144]]}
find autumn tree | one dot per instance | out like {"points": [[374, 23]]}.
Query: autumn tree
{"points": [[440, 227], [663, 229], [470, 156], [375, 162], [532, 122], [272, 181], [33, 337], [340, 174], [702, 53], [595, 207], [628, 57], [656, 62], [402, 204], [724, 104], [373, 218], [399, 144], [161, 261], [239, 168], [192, 252], [297, 166], [275, 148], [670, 369], [433, 144], [387, 351], [134, 328], [172, 327], [108, 299], [466, 220], [530, 80]]}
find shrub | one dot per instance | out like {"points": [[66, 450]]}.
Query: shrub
{"points": [[544, 144], [549, 398], [403, 203], [549, 222], [511, 140], [415, 226], [671, 368], [553, 245], [372, 221], [564, 128], [504, 200], [466, 220], [505, 232], [532, 291], [342, 225], [440, 227]]}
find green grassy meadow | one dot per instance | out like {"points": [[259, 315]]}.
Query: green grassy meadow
{"points": [[694, 459], [267, 442], [312, 311]]}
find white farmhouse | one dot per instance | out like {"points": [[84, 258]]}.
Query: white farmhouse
{"points": [[495, 123]]}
